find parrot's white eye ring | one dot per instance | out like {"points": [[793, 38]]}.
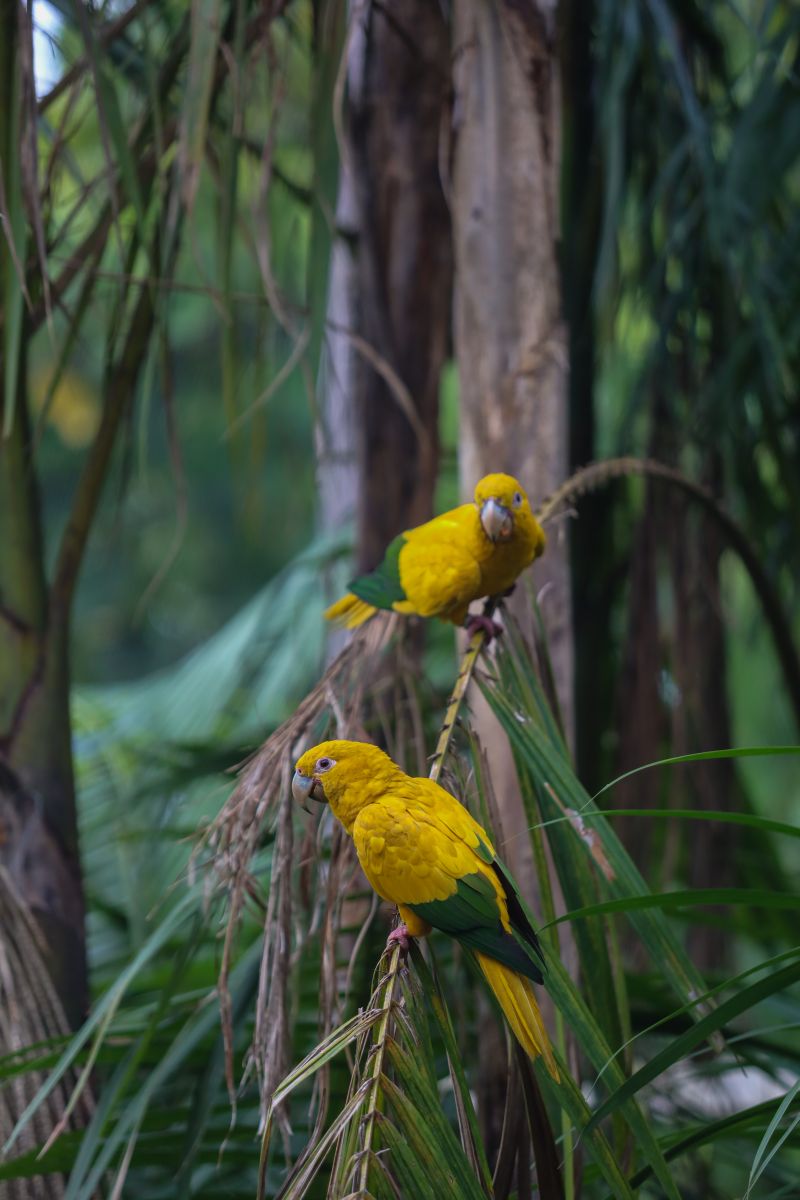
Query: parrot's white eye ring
{"points": [[517, 500], [324, 764]]}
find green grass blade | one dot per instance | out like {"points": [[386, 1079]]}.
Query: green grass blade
{"points": [[471, 1137], [423, 1126], [100, 1019], [413, 1175], [710, 1133], [762, 1158], [113, 129], [591, 1039], [702, 756], [559, 789], [204, 36], [131, 1115], [691, 897], [750, 820], [297, 1185], [679, 1047], [569, 1096]]}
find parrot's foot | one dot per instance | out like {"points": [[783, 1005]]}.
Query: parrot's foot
{"points": [[478, 621], [401, 935]]}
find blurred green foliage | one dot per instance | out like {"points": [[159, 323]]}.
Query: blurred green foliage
{"points": [[198, 623]]}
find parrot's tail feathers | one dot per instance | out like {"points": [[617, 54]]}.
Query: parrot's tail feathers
{"points": [[516, 997], [350, 612]]}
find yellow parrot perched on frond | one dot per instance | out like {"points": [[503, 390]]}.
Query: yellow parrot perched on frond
{"points": [[421, 850], [437, 569]]}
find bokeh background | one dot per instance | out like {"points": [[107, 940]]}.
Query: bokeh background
{"points": [[279, 280]]}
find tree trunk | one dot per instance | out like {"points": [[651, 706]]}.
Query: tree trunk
{"points": [[595, 584], [510, 335], [336, 429], [405, 266], [702, 716], [38, 837], [30, 1014]]}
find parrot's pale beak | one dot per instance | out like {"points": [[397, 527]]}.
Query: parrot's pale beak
{"points": [[496, 520], [306, 787]]}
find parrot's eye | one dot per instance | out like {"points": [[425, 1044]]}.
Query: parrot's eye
{"points": [[324, 764], [517, 500]]}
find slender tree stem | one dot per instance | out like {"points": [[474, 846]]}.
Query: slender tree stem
{"points": [[380, 1040], [388, 985], [595, 475], [468, 661]]}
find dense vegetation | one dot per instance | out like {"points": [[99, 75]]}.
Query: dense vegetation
{"points": [[172, 525]]}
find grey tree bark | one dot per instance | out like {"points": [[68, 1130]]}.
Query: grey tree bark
{"points": [[391, 281], [405, 265], [510, 335], [509, 332]]}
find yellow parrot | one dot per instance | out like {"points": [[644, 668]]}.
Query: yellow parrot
{"points": [[437, 569], [421, 850]]}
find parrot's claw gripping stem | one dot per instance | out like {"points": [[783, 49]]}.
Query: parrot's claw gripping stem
{"points": [[478, 621], [401, 935]]}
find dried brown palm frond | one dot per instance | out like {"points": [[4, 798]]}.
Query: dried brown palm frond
{"points": [[31, 1019], [355, 1154], [261, 796]]}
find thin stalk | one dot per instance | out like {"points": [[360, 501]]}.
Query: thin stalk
{"points": [[379, 1055], [549, 912], [596, 475], [459, 691], [470, 657]]}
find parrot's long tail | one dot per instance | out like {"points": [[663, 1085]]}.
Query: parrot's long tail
{"points": [[516, 997], [350, 612]]}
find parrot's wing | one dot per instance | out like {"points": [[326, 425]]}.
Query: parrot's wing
{"points": [[472, 915], [382, 587], [437, 861], [438, 575], [520, 916]]}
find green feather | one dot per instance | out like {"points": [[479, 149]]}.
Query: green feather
{"points": [[471, 916], [382, 587], [520, 916], [483, 851]]}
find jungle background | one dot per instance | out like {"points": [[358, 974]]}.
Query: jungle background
{"points": [[280, 279]]}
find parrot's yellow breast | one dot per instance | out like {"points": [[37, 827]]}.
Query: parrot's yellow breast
{"points": [[449, 562], [415, 843]]}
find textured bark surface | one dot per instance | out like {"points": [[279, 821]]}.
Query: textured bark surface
{"points": [[38, 824], [702, 718], [30, 1014], [510, 335], [336, 431], [405, 264], [642, 717], [673, 697], [595, 590]]}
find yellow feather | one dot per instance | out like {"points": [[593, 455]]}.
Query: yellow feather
{"points": [[350, 612], [516, 997]]}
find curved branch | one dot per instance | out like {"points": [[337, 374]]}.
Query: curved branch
{"points": [[597, 475], [90, 485], [389, 980]]}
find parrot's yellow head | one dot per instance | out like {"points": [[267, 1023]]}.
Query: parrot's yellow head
{"points": [[346, 775], [503, 507]]}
